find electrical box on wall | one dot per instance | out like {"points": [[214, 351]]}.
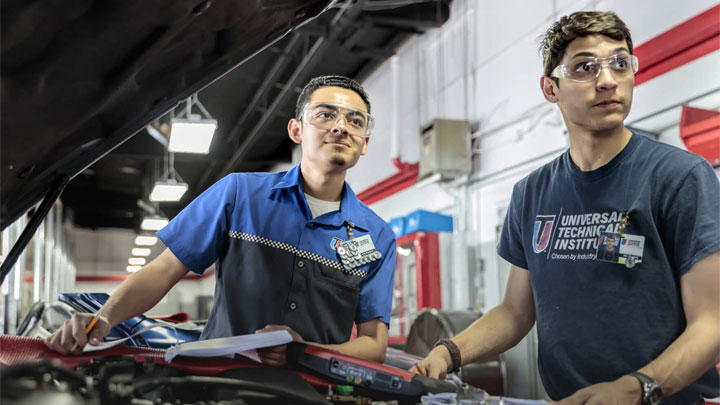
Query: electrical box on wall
{"points": [[444, 148]]}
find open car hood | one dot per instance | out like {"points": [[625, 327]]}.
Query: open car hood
{"points": [[78, 80]]}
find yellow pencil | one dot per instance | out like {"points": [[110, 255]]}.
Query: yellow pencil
{"points": [[88, 328], [420, 369]]}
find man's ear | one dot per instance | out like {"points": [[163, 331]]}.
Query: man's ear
{"points": [[295, 130], [365, 145], [549, 89]]}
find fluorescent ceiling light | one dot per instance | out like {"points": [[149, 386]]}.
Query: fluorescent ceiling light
{"points": [[168, 191], [141, 240], [153, 224], [133, 269], [191, 135], [137, 261], [141, 252]]}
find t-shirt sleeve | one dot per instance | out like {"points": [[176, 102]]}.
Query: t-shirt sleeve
{"points": [[376, 290], [196, 235], [510, 246], [691, 218]]}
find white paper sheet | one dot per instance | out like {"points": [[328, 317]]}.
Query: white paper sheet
{"points": [[243, 344], [106, 345]]}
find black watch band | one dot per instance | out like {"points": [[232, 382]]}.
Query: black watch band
{"points": [[454, 353], [651, 392]]}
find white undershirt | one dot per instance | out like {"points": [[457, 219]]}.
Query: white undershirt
{"points": [[320, 207]]}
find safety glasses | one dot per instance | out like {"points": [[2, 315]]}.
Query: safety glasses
{"points": [[587, 68], [325, 116]]}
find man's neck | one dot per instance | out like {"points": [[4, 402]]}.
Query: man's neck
{"points": [[592, 150], [323, 185]]}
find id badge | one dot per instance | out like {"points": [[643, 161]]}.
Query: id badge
{"points": [[622, 249], [357, 252], [608, 249]]}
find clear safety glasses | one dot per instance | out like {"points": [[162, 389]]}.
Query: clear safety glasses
{"points": [[325, 116], [587, 68]]}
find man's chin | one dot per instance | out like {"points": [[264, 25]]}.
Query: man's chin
{"points": [[338, 161], [343, 162], [608, 124], [610, 121]]}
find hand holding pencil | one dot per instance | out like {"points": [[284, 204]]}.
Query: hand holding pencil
{"points": [[434, 365], [420, 369], [88, 328], [77, 331]]}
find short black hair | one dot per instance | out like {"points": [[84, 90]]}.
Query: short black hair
{"points": [[329, 81]]}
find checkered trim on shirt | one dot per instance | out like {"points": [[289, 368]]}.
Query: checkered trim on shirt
{"points": [[298, 252]]}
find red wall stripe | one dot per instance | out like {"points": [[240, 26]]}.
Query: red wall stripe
{"points": [[406, 177], [687, 41]]}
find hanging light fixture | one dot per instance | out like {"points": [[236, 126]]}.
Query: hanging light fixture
{"points": [[168, 188], [192, 133], [153, 223], [145, 240], [141, 252]]}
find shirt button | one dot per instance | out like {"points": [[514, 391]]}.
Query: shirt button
{"points": [[293, 305], [301, 264]]}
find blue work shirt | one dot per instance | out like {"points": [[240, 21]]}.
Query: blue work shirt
{"points": [[275, 264]]}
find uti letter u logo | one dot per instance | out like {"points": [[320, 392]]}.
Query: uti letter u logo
{"points": [[543, 231]]}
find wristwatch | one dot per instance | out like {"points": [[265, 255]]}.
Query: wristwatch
{"points": [[651, 392]]}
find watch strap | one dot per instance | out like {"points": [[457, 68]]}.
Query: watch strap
{"points": [[647, 384]]}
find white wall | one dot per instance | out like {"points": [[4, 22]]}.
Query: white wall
{"points": [[483, 66]]}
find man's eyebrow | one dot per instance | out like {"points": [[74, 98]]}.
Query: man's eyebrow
{"points": [[326, 105], [587, 53]]}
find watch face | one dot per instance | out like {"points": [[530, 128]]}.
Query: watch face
{"points": [[654, 395]]}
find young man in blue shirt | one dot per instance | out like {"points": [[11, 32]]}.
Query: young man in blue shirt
{"points": [[642, 327], [294, 250]]}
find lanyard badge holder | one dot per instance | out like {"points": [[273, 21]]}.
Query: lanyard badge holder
{"points": [[356, 252]]}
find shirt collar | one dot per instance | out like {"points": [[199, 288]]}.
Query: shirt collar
{"points": [[351, 209], [291, 178]]}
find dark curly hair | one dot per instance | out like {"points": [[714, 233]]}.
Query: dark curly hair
{"points": [[329, 81], [580, 24]]}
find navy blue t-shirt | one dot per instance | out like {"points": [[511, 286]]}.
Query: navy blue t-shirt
{"points": [[607, 295]]}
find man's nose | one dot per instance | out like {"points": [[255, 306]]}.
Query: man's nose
{"points": [[340, 125], [606, 80]]}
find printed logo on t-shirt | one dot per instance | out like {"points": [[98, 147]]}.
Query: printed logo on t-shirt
{"points": [[573, 236], [542, 232]]}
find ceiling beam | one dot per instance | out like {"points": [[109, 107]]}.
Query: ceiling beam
{"points": [[270, 79], [346, 15]]}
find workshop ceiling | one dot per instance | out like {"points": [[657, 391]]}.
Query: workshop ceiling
{"points": [[80, 84]]}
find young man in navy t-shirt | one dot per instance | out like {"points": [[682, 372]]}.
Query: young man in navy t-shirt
{"points": [[613, 245]]}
